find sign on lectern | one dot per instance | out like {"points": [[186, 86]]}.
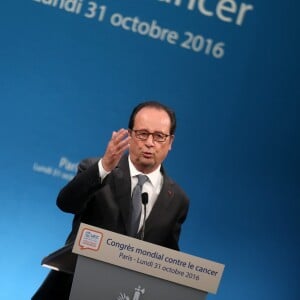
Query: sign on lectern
{"points": [[117, 267]]}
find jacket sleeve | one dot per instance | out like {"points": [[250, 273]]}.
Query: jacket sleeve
{"points": [[74, 197], [174, 237]]}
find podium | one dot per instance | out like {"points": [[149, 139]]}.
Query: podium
{"points": [[117, 267]]}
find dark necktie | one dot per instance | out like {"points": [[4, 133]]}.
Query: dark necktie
{"points": [[137, 205]]}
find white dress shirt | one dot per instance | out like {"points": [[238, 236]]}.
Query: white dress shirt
{"points": [[152, 186]]}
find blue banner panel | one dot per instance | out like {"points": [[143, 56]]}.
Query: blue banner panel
{"points": [[71, 72]]}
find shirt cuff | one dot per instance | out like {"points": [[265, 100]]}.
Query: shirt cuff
{"points": [[102, 172]]}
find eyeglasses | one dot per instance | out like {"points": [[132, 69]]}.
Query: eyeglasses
{"points": [[143, 135]]}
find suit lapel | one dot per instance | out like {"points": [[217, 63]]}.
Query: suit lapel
{"points": [[162, 203], [122, 187]]}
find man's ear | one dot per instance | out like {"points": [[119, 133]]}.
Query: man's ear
{"points": [[172, 137]]}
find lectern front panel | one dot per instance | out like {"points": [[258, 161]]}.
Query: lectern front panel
{"points": [[96, 280]]}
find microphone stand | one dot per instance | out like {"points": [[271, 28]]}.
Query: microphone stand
{"points": [[145, 202]]}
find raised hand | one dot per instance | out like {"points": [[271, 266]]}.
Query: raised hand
{"points": [[117, 145]]}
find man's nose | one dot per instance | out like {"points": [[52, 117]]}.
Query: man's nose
{"points": [[150, 139]]}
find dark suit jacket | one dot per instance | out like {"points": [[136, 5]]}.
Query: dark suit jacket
{"points": [[107, 205]]}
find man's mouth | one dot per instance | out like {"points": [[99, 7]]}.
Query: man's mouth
{"points": [[147, 154]]}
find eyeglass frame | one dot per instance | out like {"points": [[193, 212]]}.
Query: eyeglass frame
{"points": [[165, 136]]}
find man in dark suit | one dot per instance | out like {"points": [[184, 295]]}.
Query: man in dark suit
{"points": [[100, 193]]}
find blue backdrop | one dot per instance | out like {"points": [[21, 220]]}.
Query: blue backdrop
{"points": [[72, 70]]}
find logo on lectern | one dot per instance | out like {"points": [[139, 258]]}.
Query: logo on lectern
{"points": [[136, 296], [90, 239]]}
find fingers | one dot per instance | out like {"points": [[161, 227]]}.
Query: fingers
{"points": [[118, 136], [117, 145], [119, 141]]}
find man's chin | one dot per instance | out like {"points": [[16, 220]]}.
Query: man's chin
{"points": [[147, 163]]}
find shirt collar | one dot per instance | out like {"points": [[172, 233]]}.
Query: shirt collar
{"points": [[154, 176]]}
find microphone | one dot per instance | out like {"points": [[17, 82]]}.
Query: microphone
{"points": [[145, 202]]}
